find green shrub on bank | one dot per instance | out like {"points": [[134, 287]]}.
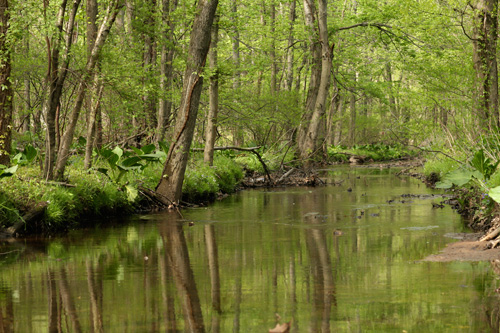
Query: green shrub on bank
{"points": [[202, 182], [228, 173], [90, 194], [440, 166]]}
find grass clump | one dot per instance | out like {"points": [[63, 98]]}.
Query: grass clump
{"points": [[228, 173], [438, 166]]}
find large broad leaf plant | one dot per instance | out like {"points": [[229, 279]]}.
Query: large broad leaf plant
{"points": [[121, 162], [479, 170]]}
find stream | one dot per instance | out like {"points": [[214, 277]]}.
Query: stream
{"points": [[344, 258]]}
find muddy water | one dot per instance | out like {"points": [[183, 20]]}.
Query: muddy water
{"points": [[327, 259]]}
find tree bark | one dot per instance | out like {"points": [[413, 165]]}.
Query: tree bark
{"points": [[6, 92], [112, 11], [484, 40], [166, 69], [315, 77], [289, 59], [208, 155], [92, 11], [352, 125], [57, 76], [310, 144], [149, 99], [170, 184]]}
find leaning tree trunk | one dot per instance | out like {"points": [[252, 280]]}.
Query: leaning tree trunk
{"points": [[6, 93], [208, 154], [310, 144], [170, 185], [113, 9]]}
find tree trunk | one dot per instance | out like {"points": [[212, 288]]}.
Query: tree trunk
{"points": [[315, 78], [113, 8], [274, 66], [166, 69], [352, 125], [485, 62], [289, 59], [92, 11], [310, 144], [208, 155], [149, 99], [6, 93], [57, 76], [170, 185]]}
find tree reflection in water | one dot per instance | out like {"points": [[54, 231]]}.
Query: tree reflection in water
{"points": [[177, 255], [322, 274]]}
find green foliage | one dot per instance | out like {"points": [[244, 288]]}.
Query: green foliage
{"points": [[121, 163], [200, 183], [439, 166], [228, 173], [7, 172], [375, 152], [25, 157], [484, 164]]}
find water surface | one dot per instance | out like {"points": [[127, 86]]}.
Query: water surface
{"points": [[327, 259]]}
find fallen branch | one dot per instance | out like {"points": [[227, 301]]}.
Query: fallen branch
{"points": [[491, 235], [288, 173], [34, 214]]}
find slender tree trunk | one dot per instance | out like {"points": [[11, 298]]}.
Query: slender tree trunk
{"points": [[392, 99], [289, 59], [310, 144], [113, 8], [92, 11], [237, 132], [352, 126], [170, 185], [485, 62], [208, 155], [6, 93], [149, 99], [166, 68], [274, 66], [57, 76]]}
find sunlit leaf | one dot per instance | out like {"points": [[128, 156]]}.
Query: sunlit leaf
{"points": [[132, 192]]}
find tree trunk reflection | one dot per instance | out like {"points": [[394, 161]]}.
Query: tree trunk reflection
{"points": [[213, 264], [322, 273], [178, 258]]}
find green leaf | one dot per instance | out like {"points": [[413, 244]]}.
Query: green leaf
{"points": [[118, 151], [9, 171], [458, 177], [137, 150], [494, 193], [131, 162], [148, 149], [132, 193], [156, 157], [30, 152]]}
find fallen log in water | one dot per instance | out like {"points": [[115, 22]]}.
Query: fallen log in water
{"points": [[36, 213]]}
